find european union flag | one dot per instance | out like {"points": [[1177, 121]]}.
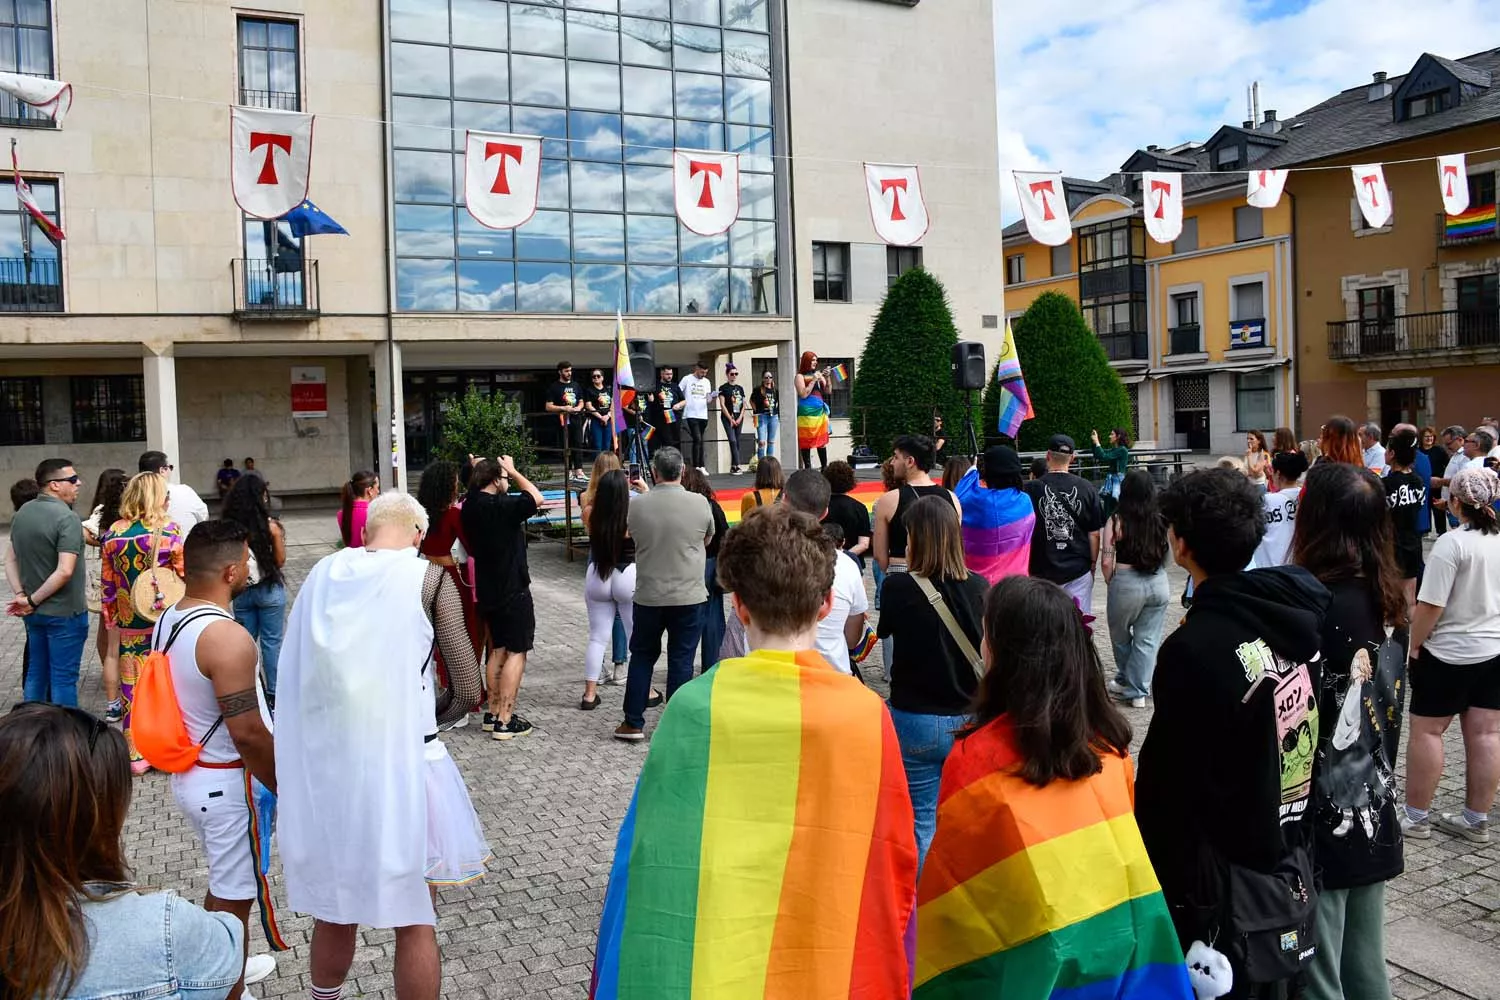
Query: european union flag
{"points": [[308, 219]]}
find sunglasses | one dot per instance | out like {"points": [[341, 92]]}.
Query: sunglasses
{"points": [[96, 725], [597, 375], [66, 479]]}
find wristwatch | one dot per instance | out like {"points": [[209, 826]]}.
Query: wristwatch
{"points": [[29, 602]]}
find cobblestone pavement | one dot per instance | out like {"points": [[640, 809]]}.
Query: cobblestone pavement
{"points": [[551, 804]]}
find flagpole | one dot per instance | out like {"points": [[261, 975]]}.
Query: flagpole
{"points": [[25, 220]]}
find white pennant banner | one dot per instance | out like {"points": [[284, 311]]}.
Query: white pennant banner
{"points": [[1265, 187], [502, 175], [1374, 197], [706, 189], [1044, 206], [896, 205], [1453, 180], [1163, 207], [270, 159], [52, 98]]}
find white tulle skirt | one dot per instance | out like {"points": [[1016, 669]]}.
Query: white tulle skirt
{"points": [[456, 848]]}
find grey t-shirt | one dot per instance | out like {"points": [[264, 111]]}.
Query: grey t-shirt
{"points": [[41, 529], [671, 528]]}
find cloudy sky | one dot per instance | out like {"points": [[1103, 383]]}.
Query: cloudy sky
{"points": [[1084, 83]]}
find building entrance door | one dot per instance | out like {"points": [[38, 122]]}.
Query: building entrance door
{"points": [[1190, 409], [1403, 406]]}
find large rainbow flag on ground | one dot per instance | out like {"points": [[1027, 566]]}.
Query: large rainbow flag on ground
{"points": [[997, 528], [1031, 893], [1015, 401], [768, 851]]}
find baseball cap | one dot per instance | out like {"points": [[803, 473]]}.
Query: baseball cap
{"points": [[1001, 459], [1061, 444]]}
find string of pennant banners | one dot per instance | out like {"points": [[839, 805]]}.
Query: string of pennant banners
{"points": [[271, 168]]}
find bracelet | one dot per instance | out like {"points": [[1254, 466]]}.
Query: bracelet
{"points": [[29, 602]]}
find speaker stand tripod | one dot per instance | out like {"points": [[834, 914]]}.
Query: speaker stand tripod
{"points": [[969, 423]]}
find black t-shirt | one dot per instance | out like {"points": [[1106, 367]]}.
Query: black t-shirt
{"points": [[763, 400], [495, 533], [721, 525], [733, 395], [664, 398], [563, 394], [1407, 495], [895, 540], [853, 517], [600, 399], [929, 675], [1067, 512]]}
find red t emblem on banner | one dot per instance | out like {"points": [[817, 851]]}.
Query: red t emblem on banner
{"points": [[272, 141], [506, 151], [1163, 191], [1372, 181], [1041, 189], [896, 184], [1450, 174], [696, 167]]}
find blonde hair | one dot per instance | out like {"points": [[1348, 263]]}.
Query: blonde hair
{"points": [[396, 509], [605, 461], [145, 500], [1312, 450], [934, 541], [1231, 462]]}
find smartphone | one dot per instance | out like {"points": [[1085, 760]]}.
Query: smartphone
{"points": [[635, 472]]}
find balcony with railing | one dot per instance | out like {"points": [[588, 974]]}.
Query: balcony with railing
{"points": [[16, 114], [1477, 225], [1186, 339], [1125, 344], [278, 288], [33, 286], [275, 99], [1450, 337]]}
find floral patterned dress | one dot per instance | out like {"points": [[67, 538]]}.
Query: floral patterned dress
{"points": [[125, 552]]}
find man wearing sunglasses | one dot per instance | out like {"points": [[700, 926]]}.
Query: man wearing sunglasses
{"points": [[44, 568], [184, 505]]}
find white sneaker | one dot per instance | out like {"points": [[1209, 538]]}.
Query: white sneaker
{"points": [[258, 967], [460, 724]]}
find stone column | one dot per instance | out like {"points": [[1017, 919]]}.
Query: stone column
{"points": [[159, 368], [786, 370], [389, 409]]}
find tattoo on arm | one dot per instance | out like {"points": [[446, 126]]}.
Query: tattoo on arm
{"points": [[238, 703]]}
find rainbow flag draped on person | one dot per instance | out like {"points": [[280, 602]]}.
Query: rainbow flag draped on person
{"points": [[624, 377], [997, 528], [1015, 401], [1032, 893], [768, 850]]}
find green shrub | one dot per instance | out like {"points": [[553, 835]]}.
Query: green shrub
{"points": [[1072, 386], [488, 426]]}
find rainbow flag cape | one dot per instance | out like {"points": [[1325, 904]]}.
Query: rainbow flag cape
{"points": [[1033, 893], [624, 377], [1477, 221], [768, 851], [997, 527], [812, 422], [1015, 401]]}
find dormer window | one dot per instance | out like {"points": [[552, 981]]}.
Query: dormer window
{"points": [[1427, 104], [1228, 156]]}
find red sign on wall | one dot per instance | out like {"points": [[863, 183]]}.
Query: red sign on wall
{"points": [[309, 391]]}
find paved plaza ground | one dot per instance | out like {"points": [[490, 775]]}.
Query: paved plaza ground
{"points": [[551, 804]]}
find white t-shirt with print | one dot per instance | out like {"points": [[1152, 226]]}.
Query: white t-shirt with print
{"points": [[1463, 578], [848, 599], [697, 391], [1275, 548]]}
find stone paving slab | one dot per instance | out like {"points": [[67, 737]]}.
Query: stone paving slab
{"points": [[552, 802]]}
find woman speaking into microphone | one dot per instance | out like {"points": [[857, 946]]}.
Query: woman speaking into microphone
{"points": [[812, 411]]}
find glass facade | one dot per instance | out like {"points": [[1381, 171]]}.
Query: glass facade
{"points": [[612, 86]]}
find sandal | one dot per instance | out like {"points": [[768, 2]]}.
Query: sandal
{"points": [[589, 706], [655, 699]]}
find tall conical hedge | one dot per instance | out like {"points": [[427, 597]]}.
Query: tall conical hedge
{"points": [[904, 373], [1073, 388]]}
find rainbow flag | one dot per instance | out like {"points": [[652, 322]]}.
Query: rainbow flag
{"points": [[668, 415], [624, 377], [647, 432], [840, 373], [1035, 893], [768, 850], [1477, 221], [1015, 401], [867, 644], [812, 422], [997, 527]]}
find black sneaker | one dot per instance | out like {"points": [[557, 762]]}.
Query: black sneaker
{"points": [[517, 726], [488, 725]]}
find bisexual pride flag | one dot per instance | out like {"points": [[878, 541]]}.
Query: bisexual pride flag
{"points": [[768, 850], [1015, 401], [1040, 893], [624, 378]]}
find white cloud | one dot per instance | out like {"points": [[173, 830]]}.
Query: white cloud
{"points": [[1082, 84]]}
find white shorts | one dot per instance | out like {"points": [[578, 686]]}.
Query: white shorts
{"points": [[213, 801]]}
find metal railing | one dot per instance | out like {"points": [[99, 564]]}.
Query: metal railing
{"points": [[16, 114], [276, 287], [1478, 225], [34, 286], [1413, 334], [1125, 346], [1187, 339], [275, 99]]}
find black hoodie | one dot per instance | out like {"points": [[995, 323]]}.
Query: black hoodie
{"points": [[1226, 769]]}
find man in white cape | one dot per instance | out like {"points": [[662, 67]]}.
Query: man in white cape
{"points": [[373, 813]]}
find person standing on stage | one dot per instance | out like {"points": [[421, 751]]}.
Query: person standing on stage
{"points": [[598, 407], [732, 414], [563, 401], [812, 388], [765, 403], [697, 392], [665, 411]]}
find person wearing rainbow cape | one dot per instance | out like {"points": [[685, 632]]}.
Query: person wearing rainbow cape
{"points": [[812, 387], [769, 848]]}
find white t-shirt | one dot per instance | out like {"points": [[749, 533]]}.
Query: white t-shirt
{"points": [[1456, 464], [697, 391], [1275, 548], [1375, 459], [185, 507], [848, 599], [1463, 578]]}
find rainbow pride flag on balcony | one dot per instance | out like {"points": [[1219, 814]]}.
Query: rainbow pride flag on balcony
{"points": [[1477, 221]]}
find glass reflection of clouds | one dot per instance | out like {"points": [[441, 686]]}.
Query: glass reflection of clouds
{"points": [[486, 286], [544, 288], [424, 285]]}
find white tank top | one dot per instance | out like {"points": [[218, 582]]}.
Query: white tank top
{"points": [[195, 693]]}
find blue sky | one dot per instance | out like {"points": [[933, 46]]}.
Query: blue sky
{"points": [[1084, 83]]}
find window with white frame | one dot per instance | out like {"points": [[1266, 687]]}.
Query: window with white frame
{"points": [[1248, 223], [1255, 400], [1248, 301], [1062, 259], [830, 267], [1015, 269]]}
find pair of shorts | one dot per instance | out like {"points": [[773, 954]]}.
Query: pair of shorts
{"points": [[213, 800], [512, 623], [1440, 689]]}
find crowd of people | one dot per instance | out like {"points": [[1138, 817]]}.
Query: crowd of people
{"points": [[990, 829]]}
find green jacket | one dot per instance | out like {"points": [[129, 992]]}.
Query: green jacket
{"points": [[1115, 459]]}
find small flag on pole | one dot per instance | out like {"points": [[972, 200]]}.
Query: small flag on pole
{"points": [[624, 377], [840, 373], [28, 202], [669, 415], [648, 433], [1015, 401]]}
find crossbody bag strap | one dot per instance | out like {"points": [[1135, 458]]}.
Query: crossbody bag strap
{"points": [[192, 616], [950, 623]]}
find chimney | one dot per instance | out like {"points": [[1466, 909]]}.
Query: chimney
{"points": [[1153, 149], [1379, 89], [1247, 124], [1269, 122]]}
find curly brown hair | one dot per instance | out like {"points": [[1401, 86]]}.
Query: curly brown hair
{"points": [[840, 476], [779, 563]]}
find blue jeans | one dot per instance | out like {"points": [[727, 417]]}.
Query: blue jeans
{"points": [[766, 430], [1137, 608], [55, 652], [925, 743], [683, 624], [713, 616], [262, 610], [618, 649]]}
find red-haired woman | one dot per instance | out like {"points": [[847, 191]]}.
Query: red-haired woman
{"points": [[812, 411]]}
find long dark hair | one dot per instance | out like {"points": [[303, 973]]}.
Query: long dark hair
{"points": [[64, 792], [768, 474], [353, 490], [1142, 540], [437, 491], [696, 482], [107, 496], [1044, 673], [245, 504], [607, 519], [1344, 532]]}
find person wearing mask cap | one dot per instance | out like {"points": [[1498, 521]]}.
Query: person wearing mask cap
{"points": [[998, 519], [732, 414], [1066, 549]]}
